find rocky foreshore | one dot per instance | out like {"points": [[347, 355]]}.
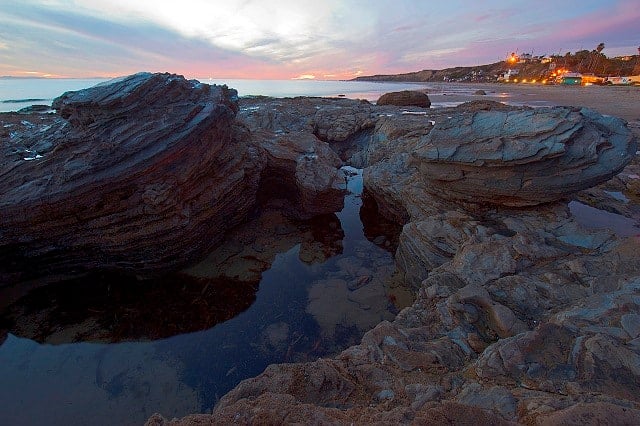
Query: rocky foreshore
{"points": [[522, 315], [143, 175]]}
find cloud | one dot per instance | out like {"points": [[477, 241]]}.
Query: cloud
{"points": [[69, 41], [286, 38]]}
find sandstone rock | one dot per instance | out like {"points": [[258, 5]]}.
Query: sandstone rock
{"points": [[340, 124], [497, 317], [303, 170], [520, 158], [405, 98], [496, 399], [520, 313], [145, 174], [631, 324], [576, 345], [427, 244], [485, 105], [141, 174]]}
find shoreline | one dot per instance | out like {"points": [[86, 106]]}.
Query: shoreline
{"points": [[622, 101]]}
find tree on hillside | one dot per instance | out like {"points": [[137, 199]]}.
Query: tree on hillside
{"points": [[595, 58]]}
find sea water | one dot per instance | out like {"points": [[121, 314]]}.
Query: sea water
{"points": [[17, 93]]}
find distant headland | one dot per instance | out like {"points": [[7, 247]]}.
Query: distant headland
{"points": [[526, 67]]}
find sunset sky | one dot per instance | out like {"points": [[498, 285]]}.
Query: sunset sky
{"points": [[324, 39]]}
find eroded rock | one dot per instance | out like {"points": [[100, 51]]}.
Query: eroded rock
{"points": [[516, 309], [145, 174], [405, 98], [141, 174], [519, 158]]}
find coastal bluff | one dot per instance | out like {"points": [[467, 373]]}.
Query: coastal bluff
{"points": [[521, 314]]}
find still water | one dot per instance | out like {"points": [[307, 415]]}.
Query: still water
{"points": [[94, 352]]}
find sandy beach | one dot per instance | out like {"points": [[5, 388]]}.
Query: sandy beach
{"points": [[622, 101]]}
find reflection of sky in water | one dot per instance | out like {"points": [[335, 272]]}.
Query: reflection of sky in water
{"points": [[124, 383]]}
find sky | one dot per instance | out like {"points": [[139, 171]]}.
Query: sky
{"points": [[285, 39]]}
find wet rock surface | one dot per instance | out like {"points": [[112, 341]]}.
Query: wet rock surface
{"points": [[521, 316]]}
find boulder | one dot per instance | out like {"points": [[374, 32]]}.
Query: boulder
{"points": [[522, 157], [145, 174], [302, 170], [405, 98], [140, 174]]}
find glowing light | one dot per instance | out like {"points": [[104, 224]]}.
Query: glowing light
{"points": [[304, 77]]}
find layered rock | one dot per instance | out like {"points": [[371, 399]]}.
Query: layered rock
{"points": [[302, 170], [405, 98], [140, 174], [521, 315], [519, 158], [143, 175]]}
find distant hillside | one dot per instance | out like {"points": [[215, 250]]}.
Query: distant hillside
{"points": [[582, 61], [477, 73]]}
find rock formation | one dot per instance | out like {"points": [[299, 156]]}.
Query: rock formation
{"points": [[301, 169], [521, 314], [142, 175], [518, 158], [405, 98]]}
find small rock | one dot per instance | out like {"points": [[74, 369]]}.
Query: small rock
{"points": [[480, 92], [494, 399], [386, 394], [631, 324], [380, 239], [420, 394], [359, 282]]}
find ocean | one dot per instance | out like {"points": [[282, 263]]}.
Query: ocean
{"points": [[17, 93]]}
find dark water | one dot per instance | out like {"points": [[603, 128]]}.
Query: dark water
{"points": [[102, 351]]}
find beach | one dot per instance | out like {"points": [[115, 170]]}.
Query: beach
{"points": [[619, 101]]}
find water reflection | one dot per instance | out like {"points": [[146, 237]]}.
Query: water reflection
{"points": [[322, 284], [112, 308], [378, 229]]}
